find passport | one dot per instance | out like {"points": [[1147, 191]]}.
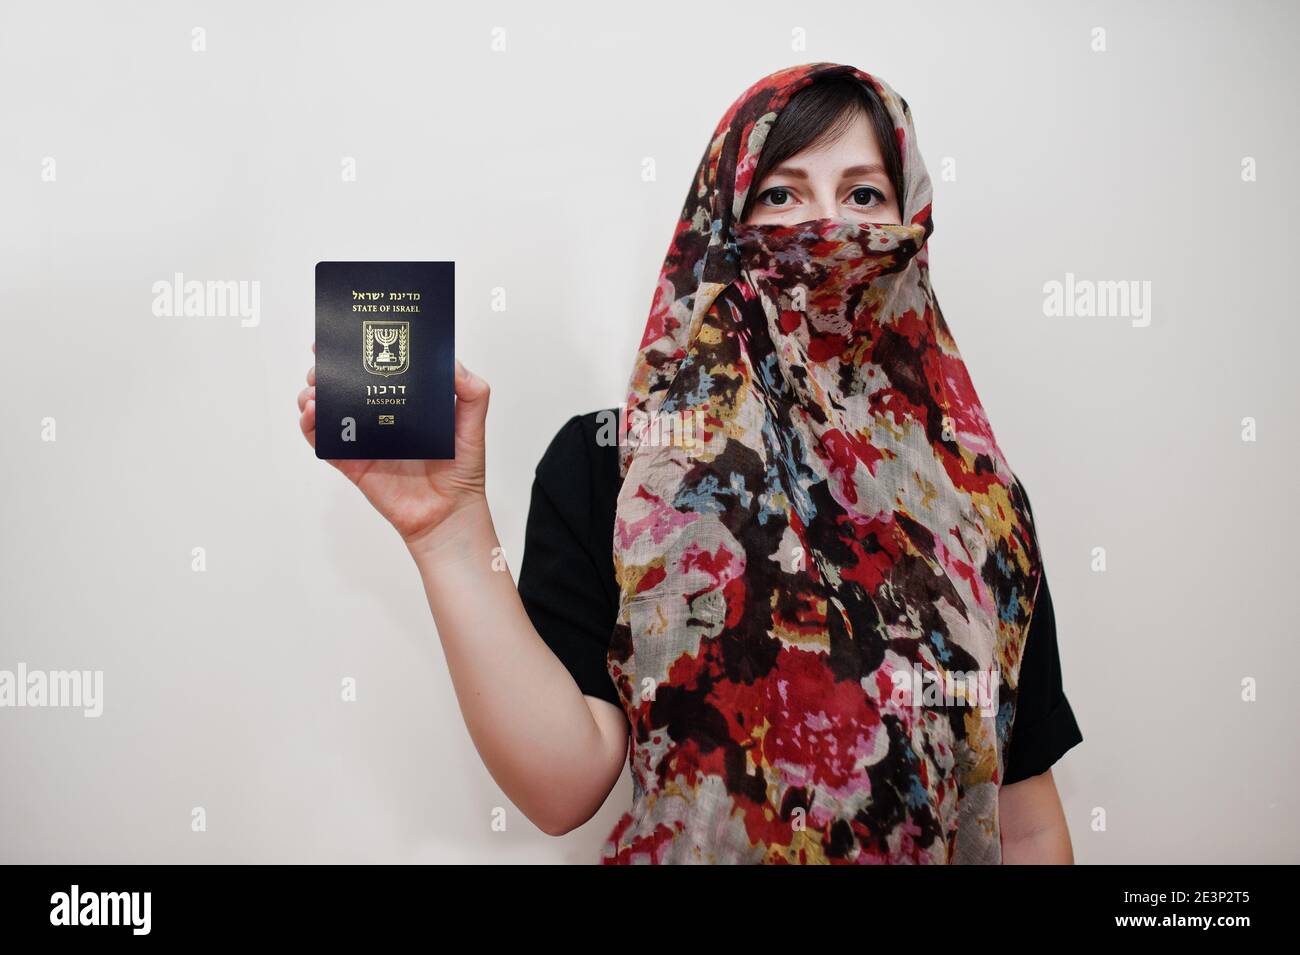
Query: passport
{"points": [[385, 360]]}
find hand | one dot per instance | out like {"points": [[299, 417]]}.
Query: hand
{"points": [[417, 496]]}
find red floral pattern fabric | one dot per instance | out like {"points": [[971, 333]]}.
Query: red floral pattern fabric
{"points": [[814, 589]]}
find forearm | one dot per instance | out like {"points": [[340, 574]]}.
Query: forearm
{"points": [[527, 718]]}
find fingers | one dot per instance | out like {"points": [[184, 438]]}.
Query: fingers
{"points": [[307, 405], [307, 421]]}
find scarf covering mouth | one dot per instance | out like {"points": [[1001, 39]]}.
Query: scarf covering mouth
{"points": [[819, 580]]}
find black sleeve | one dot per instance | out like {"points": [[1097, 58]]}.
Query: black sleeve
{"points": [[565, 571], [1044, 727]]}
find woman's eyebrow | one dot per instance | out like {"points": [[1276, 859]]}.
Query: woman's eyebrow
{"points": [[794, 172], [870, 169]]}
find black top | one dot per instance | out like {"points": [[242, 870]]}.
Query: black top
{"points": [[568, 588]]}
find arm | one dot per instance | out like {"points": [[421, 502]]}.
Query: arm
{"points": [[1033, 823], [554, 752]]}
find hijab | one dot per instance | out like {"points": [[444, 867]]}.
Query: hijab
{"points": [[805, 584]]}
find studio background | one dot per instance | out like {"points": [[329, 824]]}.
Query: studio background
{"points": [[526, 166]]}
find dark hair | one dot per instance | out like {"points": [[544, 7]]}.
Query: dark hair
{"points": [[820, 112]]}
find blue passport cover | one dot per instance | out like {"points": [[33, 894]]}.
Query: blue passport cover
{"points": [[385, 354]]}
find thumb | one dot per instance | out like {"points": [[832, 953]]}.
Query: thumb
{"points": [[471, 405]]}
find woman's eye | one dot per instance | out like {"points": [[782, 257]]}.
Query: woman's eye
{"points": [[865, 195], [776, 196]]}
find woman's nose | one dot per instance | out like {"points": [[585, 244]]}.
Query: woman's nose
{"points": [[823, 207]]}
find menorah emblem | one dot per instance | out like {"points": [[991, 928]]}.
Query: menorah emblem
{"points": [[385, 335]]}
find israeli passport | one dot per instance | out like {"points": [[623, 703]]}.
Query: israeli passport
{"points": [[385, 360]]}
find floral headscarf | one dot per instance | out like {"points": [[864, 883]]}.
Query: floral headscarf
{"points": [[841, 544]]}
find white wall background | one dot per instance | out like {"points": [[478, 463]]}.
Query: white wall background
{"points": [[221, 688]]}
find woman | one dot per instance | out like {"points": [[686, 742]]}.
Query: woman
{"points": [[766, 607]]}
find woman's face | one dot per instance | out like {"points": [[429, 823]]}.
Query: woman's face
{"points": [[843, 179]]}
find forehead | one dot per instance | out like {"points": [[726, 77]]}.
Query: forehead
{"points": [[853, 147]]}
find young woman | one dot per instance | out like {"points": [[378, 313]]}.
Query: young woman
{"points": [[822, 621]]}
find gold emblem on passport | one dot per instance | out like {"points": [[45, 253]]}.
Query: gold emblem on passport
{"points": [[387, 419], [385, 347]]}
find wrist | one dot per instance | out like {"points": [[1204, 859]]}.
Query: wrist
{"points": [[467, 533]]}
